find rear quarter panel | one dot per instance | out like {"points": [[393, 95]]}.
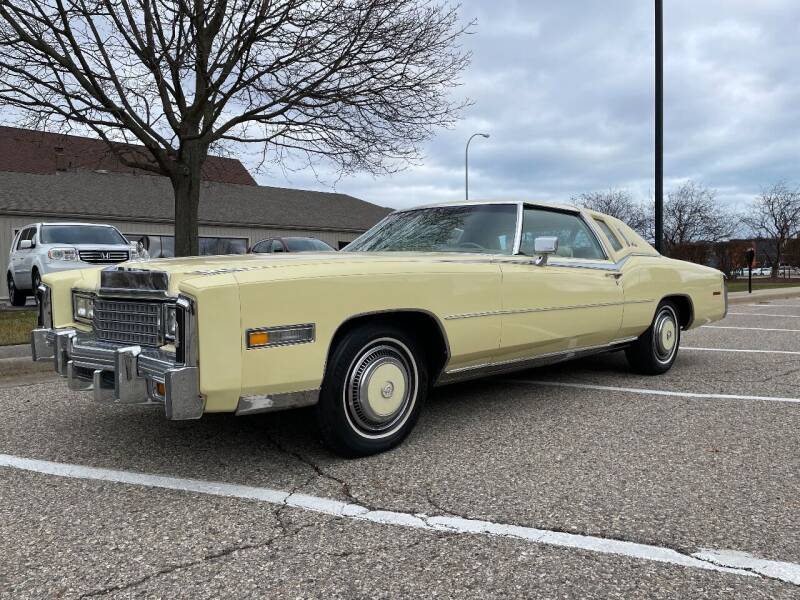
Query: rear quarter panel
{"points": [[650, 279]]}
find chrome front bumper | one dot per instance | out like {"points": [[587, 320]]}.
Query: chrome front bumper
{"points": [[121, 374]]}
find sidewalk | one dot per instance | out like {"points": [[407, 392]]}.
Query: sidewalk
{"points": [[760, 295], [15, 362]]}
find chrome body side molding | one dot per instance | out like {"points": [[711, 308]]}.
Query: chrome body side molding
{"points": [[485, 370], [519, 311], [252, 405]]}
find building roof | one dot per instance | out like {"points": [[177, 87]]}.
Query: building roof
{"points": [[111, 196], [29, 151]]}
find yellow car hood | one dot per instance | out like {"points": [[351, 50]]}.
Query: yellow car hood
{"points": [[181, 269]]}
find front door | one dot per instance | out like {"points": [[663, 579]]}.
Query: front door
{"points": [[573, 302]]}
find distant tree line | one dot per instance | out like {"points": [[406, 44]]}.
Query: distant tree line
{"points": [[700, 229]]}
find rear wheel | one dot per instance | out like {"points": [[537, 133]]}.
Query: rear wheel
{"points": [[15, 297], [374, 386], [656, 349]]}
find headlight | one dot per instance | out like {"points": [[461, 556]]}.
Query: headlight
{"points": [[62, 254], [82, 308], [170, 322]]}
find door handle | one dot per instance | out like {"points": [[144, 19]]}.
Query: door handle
{"points": [[615, 275]]}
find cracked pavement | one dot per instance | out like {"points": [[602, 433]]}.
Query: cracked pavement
{"points": [[669, 471]]}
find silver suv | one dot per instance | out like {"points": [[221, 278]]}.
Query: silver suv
{"points": [[44, 248]]}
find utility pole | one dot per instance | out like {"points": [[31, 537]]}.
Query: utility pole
{"points": [[659, 199], [466, 162]]}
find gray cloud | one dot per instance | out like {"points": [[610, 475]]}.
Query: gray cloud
{"points": [[566, 91]]}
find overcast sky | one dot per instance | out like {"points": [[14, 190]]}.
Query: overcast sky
{"points": [[566, 91]]}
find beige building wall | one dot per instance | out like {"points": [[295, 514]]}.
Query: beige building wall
{"points": [[10, 224]]}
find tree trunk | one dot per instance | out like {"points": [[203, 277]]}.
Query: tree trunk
{"points": [[776, 266], [186, 185]]}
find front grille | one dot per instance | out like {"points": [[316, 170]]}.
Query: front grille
{"points": [[128, 322], [103, 257]]}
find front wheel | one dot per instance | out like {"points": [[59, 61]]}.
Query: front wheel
{"points": [[656, 349], [36, 281], [15, 296], [374, 386]]}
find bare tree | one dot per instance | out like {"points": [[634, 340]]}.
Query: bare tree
{"points": [[694, 218], [360, 83], [775, 216], [620, 205]]}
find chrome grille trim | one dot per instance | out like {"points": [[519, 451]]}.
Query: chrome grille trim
{"points": [[128, 322], [103, 257]]}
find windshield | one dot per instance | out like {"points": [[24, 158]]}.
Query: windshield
{"points": [[487, 229], [80, 234], [306, 245]]}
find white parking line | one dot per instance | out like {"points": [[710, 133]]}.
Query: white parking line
{"points": [[748, 328], [738, 314], [610, 388], [770, 305], [738, 350], [709, 560]]}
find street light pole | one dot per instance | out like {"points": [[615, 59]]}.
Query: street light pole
{"points": [[659, 199], [466, 162]]}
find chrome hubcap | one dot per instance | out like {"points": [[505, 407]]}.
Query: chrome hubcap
{"points": [[381, 388], [665, 335]]}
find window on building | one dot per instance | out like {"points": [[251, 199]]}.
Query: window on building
{"points": [[163, 246]]}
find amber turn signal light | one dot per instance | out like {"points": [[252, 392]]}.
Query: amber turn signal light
{"points": [[283, 335], [257, 338], [161, 389]]}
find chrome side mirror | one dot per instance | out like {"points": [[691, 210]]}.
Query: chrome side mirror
{"points": [[544, 247], [25, 245]]}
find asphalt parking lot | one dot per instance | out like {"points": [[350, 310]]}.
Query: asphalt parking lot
{"points": [[581, 480]]}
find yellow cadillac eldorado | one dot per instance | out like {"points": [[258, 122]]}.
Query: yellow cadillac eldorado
{"points": [[429, 296]]}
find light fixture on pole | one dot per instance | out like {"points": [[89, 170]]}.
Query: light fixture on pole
{"points": [[466, 162]]}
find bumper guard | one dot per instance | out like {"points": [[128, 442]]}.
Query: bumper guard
{"points": [[122, 374]]}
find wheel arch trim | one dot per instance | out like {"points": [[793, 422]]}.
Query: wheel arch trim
{"points": [[689, 321], [388, 313]]}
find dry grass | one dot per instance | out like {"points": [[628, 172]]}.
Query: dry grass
{"points": [[16, 325], [740, 285]]}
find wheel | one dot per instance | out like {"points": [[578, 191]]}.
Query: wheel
{"points": [[374, 386], [36, 279], [15, 296], [656, 349]]}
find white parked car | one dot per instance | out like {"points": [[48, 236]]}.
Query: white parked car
{"points": [[43, 248]]}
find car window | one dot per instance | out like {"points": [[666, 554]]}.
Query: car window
{"points": [[480, 229], [307, 245], [263, 247], [613, 240], [277, 246], [27, 234], [621, 233], [80, 234], [575, 239]]}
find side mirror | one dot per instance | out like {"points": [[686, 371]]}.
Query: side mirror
{"points": [[544, 247], [25, 244]]}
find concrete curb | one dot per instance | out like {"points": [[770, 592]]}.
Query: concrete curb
{"points": [[15, 351], [758, 295], [16, 366]]}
